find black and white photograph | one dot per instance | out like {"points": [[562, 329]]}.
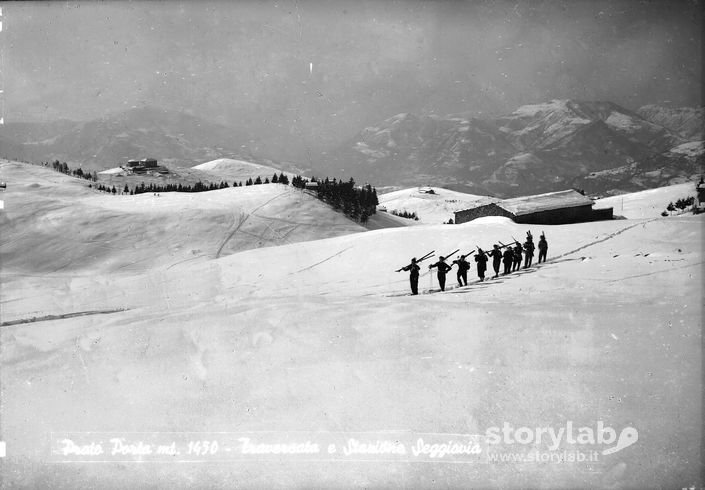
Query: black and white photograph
{"points": [[352, 244]]}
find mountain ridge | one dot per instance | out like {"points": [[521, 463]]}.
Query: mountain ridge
{"points": [[173, 137], [537, 148]]}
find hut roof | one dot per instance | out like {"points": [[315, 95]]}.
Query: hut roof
{"points": [[545, 202]]}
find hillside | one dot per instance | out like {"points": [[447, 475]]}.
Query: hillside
{"points": [[69, 227], [216, 171], [238, 170], [647, 204], [687, 122], [537, 148], [318, 342], [431, 208]]}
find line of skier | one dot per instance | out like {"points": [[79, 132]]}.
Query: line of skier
{"points": [[511, 259]]}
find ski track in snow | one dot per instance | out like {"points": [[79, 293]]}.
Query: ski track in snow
{"points": [[686, 266], [609, 236], [322, 261], [242, 222], [59, 317]]}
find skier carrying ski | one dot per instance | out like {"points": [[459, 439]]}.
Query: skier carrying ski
{"points": [[543, 248], [517, 257], [443, 268], [508, 260], [414, 276], [463, 268], [496, 255], [528, 249], [481, 260]]}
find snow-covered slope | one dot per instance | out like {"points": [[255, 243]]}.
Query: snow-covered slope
{"points": [[240, 170], [647, 204], [113, 171], [431, 208], [317, 341], [68, 226], [693, 149]]}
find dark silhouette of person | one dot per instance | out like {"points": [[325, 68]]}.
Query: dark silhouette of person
{"points": [[463, 268], [443, 268], [414, 276], [543, 248], [517, 257], [508, 260], [481, 260], [496, 255], [529, 250]]}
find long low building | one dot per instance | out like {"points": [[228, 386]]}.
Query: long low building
{"points": [[552, 208]]}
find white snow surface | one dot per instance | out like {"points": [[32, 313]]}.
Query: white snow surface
{"points": [[691, 148], [227, 163], [430, 208], [318, 338], [646, 204], [621, 121], [113, 171], [240, 170]]}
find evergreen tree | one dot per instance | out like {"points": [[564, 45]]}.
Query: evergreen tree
{"points": [[258, 181], [275, 179], [364, 216]]}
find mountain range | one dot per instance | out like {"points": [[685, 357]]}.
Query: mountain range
{"points": [[172, 137], [596, 146]]}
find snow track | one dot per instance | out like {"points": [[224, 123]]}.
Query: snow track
{"points": [[59, 317], [608, 237], [321, 262], [243, 217]]}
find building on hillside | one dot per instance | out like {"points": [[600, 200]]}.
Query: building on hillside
{"points": [[552, 208], [312, 186], [144, 165]]}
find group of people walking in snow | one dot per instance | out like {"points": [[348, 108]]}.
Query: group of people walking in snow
{"points": [[511, 259]]}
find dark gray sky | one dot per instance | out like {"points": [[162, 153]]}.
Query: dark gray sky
{"points": [[310, 73]]}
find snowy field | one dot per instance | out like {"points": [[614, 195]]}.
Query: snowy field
{"points": [[316, 340], [436, 208], [239, 170], [646, 204]]}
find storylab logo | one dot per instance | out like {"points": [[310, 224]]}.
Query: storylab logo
{"points": [[555, 438]]}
